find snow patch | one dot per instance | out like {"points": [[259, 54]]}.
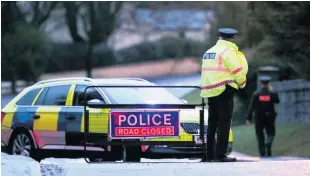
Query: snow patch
{"points": [[13, 165]]}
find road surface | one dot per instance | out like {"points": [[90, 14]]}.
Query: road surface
{"points": [[282, 166]]}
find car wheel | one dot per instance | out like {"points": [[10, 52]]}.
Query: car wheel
{"points": [[131, 154], [22, 144]]}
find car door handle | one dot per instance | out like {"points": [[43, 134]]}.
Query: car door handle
{"points": [[36, 116], [71, 118]]}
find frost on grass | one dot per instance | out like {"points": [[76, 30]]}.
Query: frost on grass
{"points": [[19, 165]]}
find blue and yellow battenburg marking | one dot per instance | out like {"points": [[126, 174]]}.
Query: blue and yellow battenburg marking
{"points": [[23, 118], [8, 119], [54, 119], [75, 124]]}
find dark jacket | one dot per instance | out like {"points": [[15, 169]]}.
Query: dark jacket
{"points": [[262, 103]]}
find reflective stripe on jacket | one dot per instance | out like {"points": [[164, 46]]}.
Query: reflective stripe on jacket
{"points": [[222, 64]]}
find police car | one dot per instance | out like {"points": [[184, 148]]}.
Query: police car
{"points": [[47, 119]]}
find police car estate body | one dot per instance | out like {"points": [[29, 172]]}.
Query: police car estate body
{"points": [[49, 116]]}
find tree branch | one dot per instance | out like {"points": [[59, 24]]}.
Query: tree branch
{"points": [[85, 24], [71, 20], [19, 14], [36, 12], [45, 17]]}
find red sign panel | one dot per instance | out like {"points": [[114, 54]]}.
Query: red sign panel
{"points": [[264, 98]]}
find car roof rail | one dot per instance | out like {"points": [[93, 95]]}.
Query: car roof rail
{"points": [[65, 79], [137, 79]]}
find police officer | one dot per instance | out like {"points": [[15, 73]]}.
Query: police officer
{"points": [[224, 70], [262, 103]]}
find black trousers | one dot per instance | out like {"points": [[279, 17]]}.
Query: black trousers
{"points": [[263, 123], [219, 121]]}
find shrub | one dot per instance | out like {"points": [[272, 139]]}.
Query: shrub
{"points": [[165, 48]]}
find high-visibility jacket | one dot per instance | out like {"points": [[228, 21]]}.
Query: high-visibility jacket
{"points": [[222, 64]]}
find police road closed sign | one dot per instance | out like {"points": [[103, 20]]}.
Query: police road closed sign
{"points": [[140, 124]]}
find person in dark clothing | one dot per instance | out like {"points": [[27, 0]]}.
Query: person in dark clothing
{"points": [[262, 103]]}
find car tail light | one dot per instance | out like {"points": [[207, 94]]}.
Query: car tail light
{"points": [[2, 116]]}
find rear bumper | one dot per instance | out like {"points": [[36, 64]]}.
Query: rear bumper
{"points": [[178, 151]]}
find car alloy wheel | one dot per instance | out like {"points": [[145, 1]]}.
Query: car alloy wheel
{"points": [[21, 145]]}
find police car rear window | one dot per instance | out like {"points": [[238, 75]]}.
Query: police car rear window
{"points": [[28, 98], [54, 95]]}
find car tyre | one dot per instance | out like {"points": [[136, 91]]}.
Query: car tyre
{"points": [[22, 144]]}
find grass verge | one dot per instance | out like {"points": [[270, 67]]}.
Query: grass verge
{"points": [[193, 97], [290, 140]]}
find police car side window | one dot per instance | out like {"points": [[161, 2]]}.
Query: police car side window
{"points": [[91, 93], [54, 96], [28, 98], [40, 100], [57, 95]]}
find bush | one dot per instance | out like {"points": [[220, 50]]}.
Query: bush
{"points": [[63, 55], [165, 48], [24, 52]]}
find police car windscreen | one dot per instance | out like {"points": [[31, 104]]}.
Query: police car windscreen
{"points": [[133, 95]]}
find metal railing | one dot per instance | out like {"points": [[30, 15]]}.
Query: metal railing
{"points": [[100, 119]]}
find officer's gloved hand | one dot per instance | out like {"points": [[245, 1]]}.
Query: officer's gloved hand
{"points": [[242, 86]]}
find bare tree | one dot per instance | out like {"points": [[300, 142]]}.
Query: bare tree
{"points": [[21, 52], [71, 16], [34, 12], [99, 21]]}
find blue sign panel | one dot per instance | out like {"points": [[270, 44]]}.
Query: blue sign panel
{"points": [[141, 124]]}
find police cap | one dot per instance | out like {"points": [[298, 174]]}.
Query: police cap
{"points": [[227, 32], [265, 78]]}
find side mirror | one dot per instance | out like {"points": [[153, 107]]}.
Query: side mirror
{"points": [[186, 102], [95, 101]]}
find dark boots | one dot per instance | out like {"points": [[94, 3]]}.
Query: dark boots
{"points": [[269, 142], [266, 149], [262, 151]]}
